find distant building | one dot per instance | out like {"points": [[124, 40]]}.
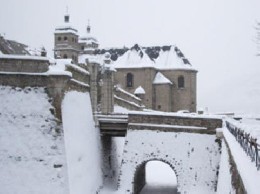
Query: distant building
{"points": [[12, 47], [161, 76]]}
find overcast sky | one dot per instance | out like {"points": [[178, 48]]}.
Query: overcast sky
{"points": [[217, 36]]}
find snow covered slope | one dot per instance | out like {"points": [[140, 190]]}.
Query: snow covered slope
{"points": [[82, 144], [32, 156]]}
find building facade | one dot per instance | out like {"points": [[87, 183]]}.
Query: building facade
{"points": [[167, 79]]}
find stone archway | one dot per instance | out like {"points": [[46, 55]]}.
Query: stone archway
{"points": [[139, 181], [193, 157]]}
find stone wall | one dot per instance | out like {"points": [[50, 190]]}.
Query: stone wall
{"points": [[162, 97], [28, 64], [142, 77], [193, 157], [79, 74], [181, 98], [168, 119], [127, 96], [127, 104], [236, 179]]}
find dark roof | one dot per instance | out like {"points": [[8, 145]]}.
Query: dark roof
{"points": [[152, 51], [12, 47]]}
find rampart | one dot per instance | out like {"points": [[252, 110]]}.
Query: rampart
{"points": [[28, 64]]}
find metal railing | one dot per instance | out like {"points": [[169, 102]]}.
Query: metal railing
{"points": [[247, 142]]}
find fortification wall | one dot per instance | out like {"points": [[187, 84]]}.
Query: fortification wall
{"points": [[23, 64]]}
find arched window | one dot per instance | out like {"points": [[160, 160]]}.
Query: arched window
{"points": [[129, 80], [65, 38], [59, 38], [65, 56], [181, 83]]}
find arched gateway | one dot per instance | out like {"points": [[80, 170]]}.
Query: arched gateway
{"points": [[194, 158], [141, 175]]}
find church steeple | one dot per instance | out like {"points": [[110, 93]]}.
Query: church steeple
{"points": [[88, 28], [67, 16]]}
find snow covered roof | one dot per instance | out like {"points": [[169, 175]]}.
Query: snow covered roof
{"points": [[134, 58], [65, 29], [60, 67], [12, 47], [139, 90], [161, 58], [161, 79], [169, 59], [89, 38], [91, 58]]}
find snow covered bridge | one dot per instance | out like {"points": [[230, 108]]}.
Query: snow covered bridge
{"points": [[117, 125], [187, 143]]}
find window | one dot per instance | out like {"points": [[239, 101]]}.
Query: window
{"points": [[65, 56], [65, 38], [129, 80], [59, 38], [82, 48], [72, 39], [181, 82]]}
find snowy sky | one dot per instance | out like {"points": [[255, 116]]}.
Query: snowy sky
{"points": [[217, 36]]}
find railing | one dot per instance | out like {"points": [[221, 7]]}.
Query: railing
{"points": [[247, 142]]}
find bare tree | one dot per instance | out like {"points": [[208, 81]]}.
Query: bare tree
{"points": [[258, 37]]}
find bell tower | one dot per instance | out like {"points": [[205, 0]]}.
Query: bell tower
{"points": [[66, 40]]}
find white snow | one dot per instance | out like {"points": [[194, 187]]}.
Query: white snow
{"points": [[161, 79], [60, 67], [24, 57], [120, 109], [185, 115], [194, 157], [29, 144], [166, 60], [248, 125], [82, 144], [139, 90], [133, 59], [127, 93], [247, 169], [129, 102], [224, 177], [170, 60]]}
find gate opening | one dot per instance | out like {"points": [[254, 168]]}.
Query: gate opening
{"points": [[155, 177]]}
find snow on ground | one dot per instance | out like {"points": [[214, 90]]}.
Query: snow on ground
{"points": [[82, 144], [247, 169], [224, 177], [30, 148]]}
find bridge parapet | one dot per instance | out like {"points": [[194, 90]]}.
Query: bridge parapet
{"points": [[201, 122]]}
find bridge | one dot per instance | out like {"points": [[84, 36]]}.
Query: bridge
{"points": [[168, 137], [117, 124]]}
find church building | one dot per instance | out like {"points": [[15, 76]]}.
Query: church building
{"points": [[161, 76]]}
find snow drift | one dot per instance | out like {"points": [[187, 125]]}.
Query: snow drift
{"points": [[82, 144]]}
